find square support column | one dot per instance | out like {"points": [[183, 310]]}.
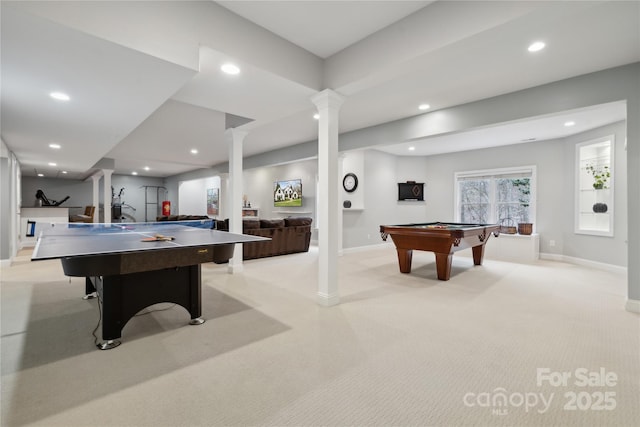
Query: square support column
{"points": [[96, 198], [328, 103], [234, 140], [107, 195]]}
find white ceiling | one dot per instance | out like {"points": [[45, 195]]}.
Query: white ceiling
{"points": [[145, 83], [340, 23]]}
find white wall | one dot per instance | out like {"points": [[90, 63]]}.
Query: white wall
{"points": [[192, 196]]}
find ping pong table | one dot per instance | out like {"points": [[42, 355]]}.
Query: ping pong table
{"points": [[130, 266]]}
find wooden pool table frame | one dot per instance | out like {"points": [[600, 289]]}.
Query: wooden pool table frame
{"points": [[441, 241]]}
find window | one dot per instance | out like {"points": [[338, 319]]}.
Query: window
{"points": [[502, 196]]}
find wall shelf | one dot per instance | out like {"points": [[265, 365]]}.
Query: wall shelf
{"points": [[594, 158], [290, 214]]}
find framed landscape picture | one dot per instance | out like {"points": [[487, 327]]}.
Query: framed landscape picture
{"points": [[213, 195], [287, 193]]}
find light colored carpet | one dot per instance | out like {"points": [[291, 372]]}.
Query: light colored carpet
{"points": [[400, 350]]}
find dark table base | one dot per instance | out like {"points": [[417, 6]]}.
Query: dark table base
{"points": [[122, 296]]}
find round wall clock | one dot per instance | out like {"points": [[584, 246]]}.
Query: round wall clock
{"points": [[350, 182]]}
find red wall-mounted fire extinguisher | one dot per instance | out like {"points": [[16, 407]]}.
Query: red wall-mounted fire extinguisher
{"points": [[166, 208]]}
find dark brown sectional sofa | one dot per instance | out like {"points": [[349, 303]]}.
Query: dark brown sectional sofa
{"points": [[288, 236], [181, 217]]}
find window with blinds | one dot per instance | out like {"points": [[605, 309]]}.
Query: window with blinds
{"points": [[503, 196]]}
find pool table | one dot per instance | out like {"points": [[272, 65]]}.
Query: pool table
{"points": [[442, 238]]}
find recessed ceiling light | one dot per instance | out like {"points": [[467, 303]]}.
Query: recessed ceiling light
{"points": [[52, 164], [424, 106], [134, 173], [54, 146], [536, 46], [60, 96], [316, 116], [146, 168], [569, 124], [412, 148], [230, 69], [64, 172], [194, 151], [40, 174]]}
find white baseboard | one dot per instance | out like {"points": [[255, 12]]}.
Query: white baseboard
{"points": [[633, 305], [585, 262], [235, 267], [328, 300], [552, 257], [5, 263], [367, 247]]}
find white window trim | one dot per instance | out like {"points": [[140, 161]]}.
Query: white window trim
{"points": [[532, 169]]}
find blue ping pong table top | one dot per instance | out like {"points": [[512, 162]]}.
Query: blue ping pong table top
{"points": [[61, 240]]}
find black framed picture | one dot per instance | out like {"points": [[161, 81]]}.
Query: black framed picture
{"points": [[411, 191]]}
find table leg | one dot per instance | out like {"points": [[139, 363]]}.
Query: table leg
{"points": [[89, 289], [478, 254], [404, 259], [443, 265]]}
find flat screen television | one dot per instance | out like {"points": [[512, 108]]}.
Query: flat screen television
{"points": [[411, 191], [287, 193]]}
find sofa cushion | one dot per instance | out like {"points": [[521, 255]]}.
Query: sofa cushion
{"points": [[292, 222], [195, 217], [250, 224], [271, 223]]}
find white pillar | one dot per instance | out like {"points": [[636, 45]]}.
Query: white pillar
{"points": [[107, 195], [96, 197], [234, 139], [225, 198], [328, 103], [339, 225]]}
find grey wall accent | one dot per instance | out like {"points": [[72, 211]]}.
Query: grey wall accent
{"points": [[547, 156], [81, 193], [610, 250], [555, 163]]}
